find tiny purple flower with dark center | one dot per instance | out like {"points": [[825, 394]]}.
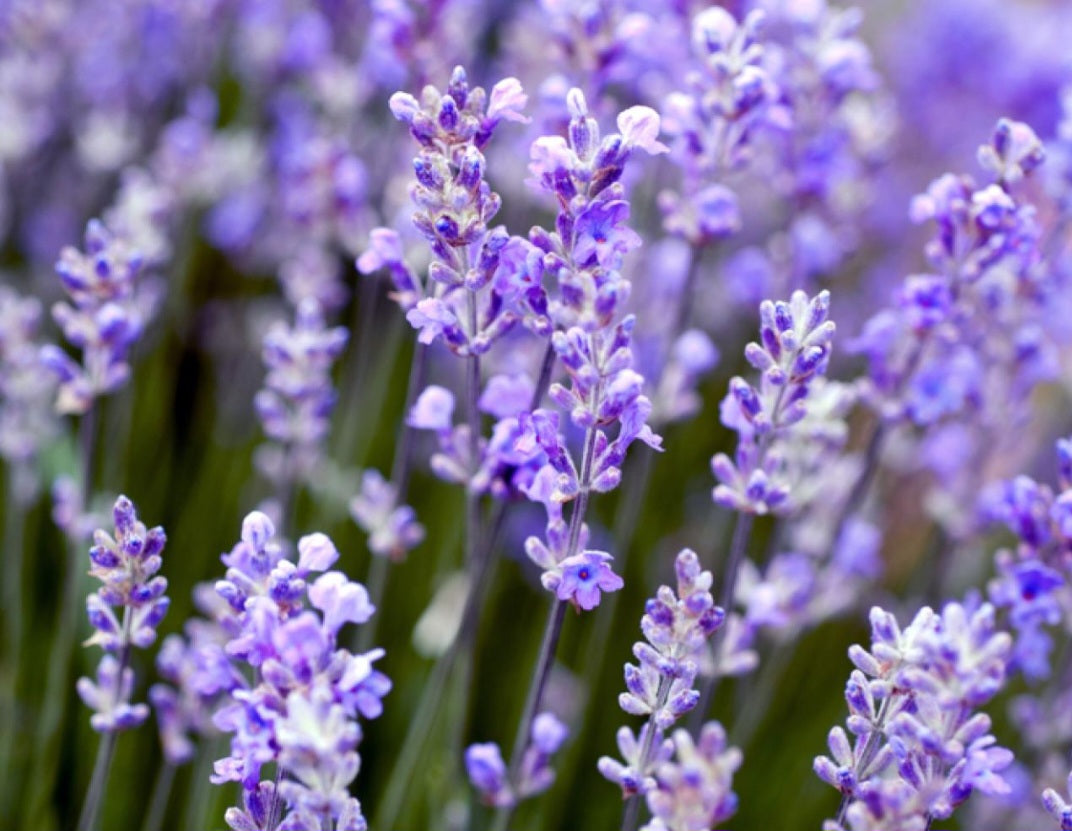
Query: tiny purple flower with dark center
{"points": [[584, 577]]}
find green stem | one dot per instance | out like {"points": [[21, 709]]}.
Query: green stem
{"points": [[50, 721], [201, 797], [165, 780], [14, 526], [87, 820], [98, 783], [376, 585], [551, 634], [428, 708], [742, 532]]}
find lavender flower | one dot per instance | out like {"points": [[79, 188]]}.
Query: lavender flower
{"points": [[392, 528], [455, 206], [676, 628], [982, 309], [385, 251], [487, 771], [1058, 808], [589, 335], [912, 703], [108, 315], [301, 710], [296, 403], [694, 791], [126, 564], [198, 674], [794, 351], [1031, 584], [26, 394], [728, 96]]}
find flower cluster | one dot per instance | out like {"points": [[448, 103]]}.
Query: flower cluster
{"points": [[26, 394], [488, 774], [920, 746], [590, 338], [127, 564], [392, 528], [793, 351], [838, 130], [106, 315], [454, 207], [727, 97], [694, 790], [975, 334], [1031, 583], [197, 673], [979, 309], [676, 627], [297, 399], [302, 708], [582, 256]]}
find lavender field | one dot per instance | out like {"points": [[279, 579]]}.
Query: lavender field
{"points": [[523, 415]]}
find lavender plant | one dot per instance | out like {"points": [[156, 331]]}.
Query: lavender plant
{"points": [[244, 152], [676, 627], [126, 564], [913, 703], [591, 340], [301, 710]]}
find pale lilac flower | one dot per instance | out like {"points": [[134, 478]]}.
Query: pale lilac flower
{"points": [[793, 352], [912, 703], [695, 789], [676, 628], [126, 564], [488, 774], [582, 578], [393, 529]]}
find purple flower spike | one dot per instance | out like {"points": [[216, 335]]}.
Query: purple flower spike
{"points": [[393, 529], [110, 305], [302, 710], [792, 355], [295, 405], [463, 304], [109, 698], [487, 773], [920, 747], [126, 564], [676, 629], [695, 790]]}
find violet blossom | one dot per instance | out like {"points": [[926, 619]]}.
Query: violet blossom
{"points": [[301, 710], [126, 564], [913, 703], [676, 627]]}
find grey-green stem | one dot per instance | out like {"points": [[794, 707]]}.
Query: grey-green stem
{"points": [[158, 803], [98, 783], [552, 632], [428, 708], [742, 532], [631, 812]]}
